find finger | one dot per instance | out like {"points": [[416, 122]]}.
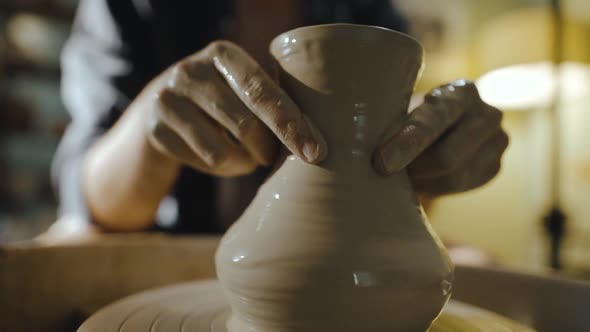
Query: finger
{"points": [[200, 82], [442, 108], [476, 172], [461, 143], [200, 133], [268, 102], [169, 143]]}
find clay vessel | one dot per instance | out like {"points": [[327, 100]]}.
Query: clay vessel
{"points": [[336, 246]]}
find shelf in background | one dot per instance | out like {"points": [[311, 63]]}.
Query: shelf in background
{"points": [[44, 8]]}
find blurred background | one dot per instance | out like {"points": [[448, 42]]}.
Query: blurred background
{"points": [[527, 59], [32, 117]]}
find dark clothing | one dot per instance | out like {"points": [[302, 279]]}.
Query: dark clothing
{"points": [[118, 46]]}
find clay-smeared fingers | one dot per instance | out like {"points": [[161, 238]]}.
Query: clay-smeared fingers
{"points": [[168, 142], [475, 172], [268, 101], [461, 143], [197, 79], [200, 134], [442, 108]]}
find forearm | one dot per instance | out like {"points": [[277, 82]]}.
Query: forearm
{"points": [[125, 177]]}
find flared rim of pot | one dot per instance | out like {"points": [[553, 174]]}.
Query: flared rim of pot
{"points": [[279, 46]]}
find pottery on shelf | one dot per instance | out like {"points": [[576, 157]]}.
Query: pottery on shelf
{"points": [[336, 246]]}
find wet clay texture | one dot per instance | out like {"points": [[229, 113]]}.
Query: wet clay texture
{"points": [[336, 246]]}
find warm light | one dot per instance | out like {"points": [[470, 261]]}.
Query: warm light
{"points": [[518, 87], [530, 86]]}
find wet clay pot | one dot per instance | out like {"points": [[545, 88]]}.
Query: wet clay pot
{"points": [[336, 246]]}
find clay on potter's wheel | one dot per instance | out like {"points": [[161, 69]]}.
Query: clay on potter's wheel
{"points": [[200, 307], [336, 246], [328, 247]]}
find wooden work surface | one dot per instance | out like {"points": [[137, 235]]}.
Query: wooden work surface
{"points": [[54, 287]]}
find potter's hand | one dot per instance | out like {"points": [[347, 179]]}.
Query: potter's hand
{"points": [[217, 111], [451, 143]]}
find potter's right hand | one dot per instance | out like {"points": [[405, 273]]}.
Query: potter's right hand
{"points": [[219, 112]]}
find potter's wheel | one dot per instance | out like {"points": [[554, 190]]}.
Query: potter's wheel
{"points": [[201, 307]]}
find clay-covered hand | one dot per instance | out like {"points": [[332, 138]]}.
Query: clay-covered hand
{"points": [[451, 143], [219, 112]]}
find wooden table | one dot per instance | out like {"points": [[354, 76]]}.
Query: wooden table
{"points": [[56, 287]]}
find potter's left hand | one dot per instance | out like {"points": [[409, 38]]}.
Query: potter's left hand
{"points": [[451, 143]]}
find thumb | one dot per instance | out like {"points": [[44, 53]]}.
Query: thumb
{"points": [[442, 108]]}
